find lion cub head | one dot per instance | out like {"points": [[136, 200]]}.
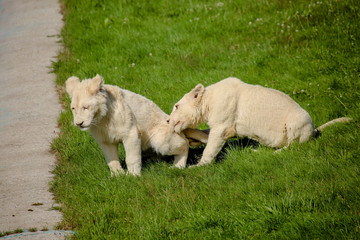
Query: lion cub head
{"points": [[88, 101], [187, 112]]}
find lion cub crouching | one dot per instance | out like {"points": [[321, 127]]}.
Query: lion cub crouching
{"points": [[114, 115], [234, 108]]}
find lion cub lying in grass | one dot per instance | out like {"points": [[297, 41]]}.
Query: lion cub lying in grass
{"points": [[114, 115], [234, 108]]}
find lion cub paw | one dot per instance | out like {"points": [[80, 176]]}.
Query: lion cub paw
{"points": [[117, 172]]}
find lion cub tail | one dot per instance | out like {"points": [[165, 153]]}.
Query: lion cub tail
{"points": [[337, 120]]}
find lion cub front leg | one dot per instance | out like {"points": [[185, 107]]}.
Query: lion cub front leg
{"points": [[215, 142], [196, 137], [110, 151]]}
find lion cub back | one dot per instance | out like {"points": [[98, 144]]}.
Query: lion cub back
{"points": [[148, 115]]}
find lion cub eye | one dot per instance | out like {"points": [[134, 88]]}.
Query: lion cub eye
{"points": [[176, 106], [85, 108], [72, 109]]}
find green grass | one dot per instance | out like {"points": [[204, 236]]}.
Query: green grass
{"points": [[162, 49]]}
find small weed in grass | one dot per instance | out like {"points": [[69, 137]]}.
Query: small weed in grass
{"points": [[2, 234], [18, 230], [37, 204]]}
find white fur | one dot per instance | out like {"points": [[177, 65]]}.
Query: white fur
{"points": [[234, 108], [114, 115]]}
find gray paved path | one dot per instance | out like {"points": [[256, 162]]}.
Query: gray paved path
{"points": [[29, 109]]}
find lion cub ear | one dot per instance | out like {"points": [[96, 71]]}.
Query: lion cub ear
{"points": [[198, 91], [96, 84], [71, 84]]}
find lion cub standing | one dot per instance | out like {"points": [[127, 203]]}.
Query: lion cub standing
{"points": [[234, 108], [114, 115]]}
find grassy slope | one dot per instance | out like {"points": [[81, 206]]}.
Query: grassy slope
{"points": [[161, 49]]}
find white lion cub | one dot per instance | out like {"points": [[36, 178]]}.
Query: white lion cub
{"points": [[114, 115], [234, 108]]}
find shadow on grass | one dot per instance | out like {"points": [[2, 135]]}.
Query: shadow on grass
{"points": [[235, 143], [149, 157]]}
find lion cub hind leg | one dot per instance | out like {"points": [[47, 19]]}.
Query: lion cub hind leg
{"points": [[132, 146], [180, 160], [166, 142], [110, 151]]}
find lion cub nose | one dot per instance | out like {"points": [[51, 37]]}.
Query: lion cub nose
{"points": [[80, 124]]}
